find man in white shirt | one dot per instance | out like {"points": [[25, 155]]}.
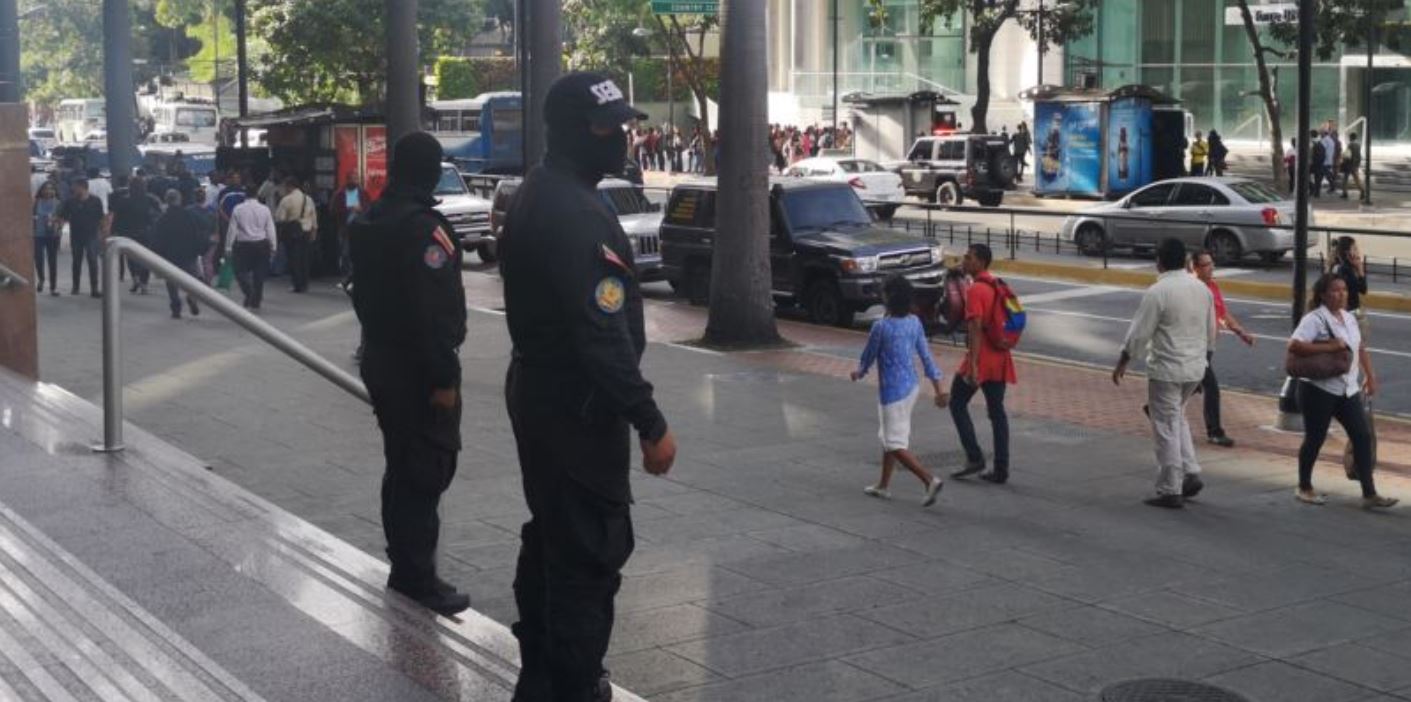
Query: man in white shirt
{"points": [[296, 218], [1174, 330], [251, 240]]}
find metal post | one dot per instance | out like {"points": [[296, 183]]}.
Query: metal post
{"points": [[117, 84], [545, 57], [1306, 9], [521, 58], [112, 351], [670, 90], [1041, 42], [1367, 114], [836, 44], [10, 90], [403, 108], [242, 71]]}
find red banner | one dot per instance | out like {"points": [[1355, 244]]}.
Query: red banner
{"points": [[374, 160], [345, 146]]}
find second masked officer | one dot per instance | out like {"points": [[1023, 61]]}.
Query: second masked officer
{"points": [[575, 392]]}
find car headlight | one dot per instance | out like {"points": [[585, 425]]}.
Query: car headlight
{"points": [[938, 253], [861, 264]]}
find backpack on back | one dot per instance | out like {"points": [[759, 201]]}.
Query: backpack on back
{"points": [[1007, 318]]}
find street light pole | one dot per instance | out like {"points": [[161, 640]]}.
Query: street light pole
{"points": [[120, 98], [1305, 87], [242, 71], [403, 106], [545, 59], [836, 43], [1041, 42], [1367, 112]]}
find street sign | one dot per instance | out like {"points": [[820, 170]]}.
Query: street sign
{"points": [[685, 7]]}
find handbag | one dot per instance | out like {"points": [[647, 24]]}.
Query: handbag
{"points": [[226, 275], [1319, 366]]}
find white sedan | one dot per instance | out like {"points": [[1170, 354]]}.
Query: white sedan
{"points": [[880, 189]]}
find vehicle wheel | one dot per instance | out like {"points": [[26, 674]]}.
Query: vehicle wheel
{"points": [[1226, 248], [825, 305], [1003, 169], [1271, 257], [698, 284], [886, 212], [948, 193], [1091, 240], [992, 199], [486, 251]]}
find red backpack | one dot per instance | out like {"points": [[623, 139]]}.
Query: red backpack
{"points": [[1007, 317]]}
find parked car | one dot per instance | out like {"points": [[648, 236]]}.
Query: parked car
{"points": [[947, 169], [639, 217], [44, 137], [826, 252], [469, 215], [1232, 217], [879, 188]]}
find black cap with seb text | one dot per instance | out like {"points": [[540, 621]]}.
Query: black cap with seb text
{"points": [[591, 97]]}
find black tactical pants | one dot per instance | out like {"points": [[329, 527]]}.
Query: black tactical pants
{"points": [[421, 446], [575, 544]]}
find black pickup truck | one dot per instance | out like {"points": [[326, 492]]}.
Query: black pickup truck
{"points": [[948, 169], [826, 252]]}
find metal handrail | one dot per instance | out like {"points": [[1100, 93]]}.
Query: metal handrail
{"points": [[11, 279], [113, 251]]}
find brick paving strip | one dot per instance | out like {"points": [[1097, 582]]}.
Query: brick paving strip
{"points": [[1048, 389]]}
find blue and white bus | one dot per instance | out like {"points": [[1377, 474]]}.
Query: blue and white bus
{"points": [[482, 134]]}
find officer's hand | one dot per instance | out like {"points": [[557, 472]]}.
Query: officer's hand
{"points": [[658, 457], [445, 399]]}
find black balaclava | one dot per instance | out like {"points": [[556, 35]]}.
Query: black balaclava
{"points": [[586, 153], [416, 164], [574, 103]]}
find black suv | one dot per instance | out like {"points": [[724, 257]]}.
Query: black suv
{"points": [[947, 169], [826, 253]]}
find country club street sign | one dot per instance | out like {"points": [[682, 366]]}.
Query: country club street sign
{"points": [[685, 7]]}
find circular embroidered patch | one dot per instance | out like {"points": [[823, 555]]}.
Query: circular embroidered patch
{"points": [[434, 257], [610, 295]]}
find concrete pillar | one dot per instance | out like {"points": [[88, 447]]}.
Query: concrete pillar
{"points": [[19, 340], [403, 71], [120, 96]]}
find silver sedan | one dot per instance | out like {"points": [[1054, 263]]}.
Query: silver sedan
{"points": [[1232, 217]]}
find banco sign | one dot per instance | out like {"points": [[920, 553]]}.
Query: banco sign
{"points": [[1277, 13]]}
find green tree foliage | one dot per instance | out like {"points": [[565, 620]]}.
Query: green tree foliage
{"points": [[333, 51], [1061, 24], [459, 78], [1344, 24], [61, 47]]}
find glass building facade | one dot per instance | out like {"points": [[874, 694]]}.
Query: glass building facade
{"points": [[1190, 50]]}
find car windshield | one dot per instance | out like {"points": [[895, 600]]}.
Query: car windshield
{"points": [[626, 200], [860, 167], [451, 183], [196, 118], [825, 208], [1256, 193]]}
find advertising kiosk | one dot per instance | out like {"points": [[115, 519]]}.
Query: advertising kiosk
{"points": [[885, 126]]}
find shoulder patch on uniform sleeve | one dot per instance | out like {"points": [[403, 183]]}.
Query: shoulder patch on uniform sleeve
{"points": [[611, 257], [610, 295], [435, 257], [443, 241]]}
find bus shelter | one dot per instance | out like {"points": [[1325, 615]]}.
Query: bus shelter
{"points": [[884, 126]]}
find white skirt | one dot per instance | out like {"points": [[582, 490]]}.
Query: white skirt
{"points": [[896, 422]]}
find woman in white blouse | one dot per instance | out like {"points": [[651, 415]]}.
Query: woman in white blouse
{"points": [[1328, 328]]}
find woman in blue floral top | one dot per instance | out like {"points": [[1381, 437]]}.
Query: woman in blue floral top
{"points": [[894, 340]]}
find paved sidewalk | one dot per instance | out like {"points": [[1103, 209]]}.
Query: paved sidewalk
{"points": [[763, 573]]}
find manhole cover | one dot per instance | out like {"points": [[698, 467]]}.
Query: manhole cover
{"points": [[1161, 690]]}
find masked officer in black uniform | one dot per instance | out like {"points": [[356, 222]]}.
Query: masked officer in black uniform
{"points": [[574, 392], [409, 297]]}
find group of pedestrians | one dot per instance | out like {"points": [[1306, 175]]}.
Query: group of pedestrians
{"points": [[987, 368], [1330, 162], [791, 144], [181, 220], [1209, 155], [668, 149]]}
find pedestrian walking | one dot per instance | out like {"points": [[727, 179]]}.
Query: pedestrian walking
{"points": [[1022, 142], [296, 220], [133, 213], [180, 237], [1317, 158], [894, 341], [252, 243], [232, 194], [204, 217], [574, 392], [1291, 164], [1347, 263], [1218, 153], [1210, 385], [409, 297], [47, 236], [86, 219], [347, 205], [987, 369], [1351, 163], [1330, 329], [1200, 152], [1332, 162], [1174, 330]]}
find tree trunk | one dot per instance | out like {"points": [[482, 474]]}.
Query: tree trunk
{"points": [[741, 304], [1266, 93], [982, 84], [402, 110]]}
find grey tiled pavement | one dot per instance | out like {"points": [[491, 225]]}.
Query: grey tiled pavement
{"points": [[763, 573]]}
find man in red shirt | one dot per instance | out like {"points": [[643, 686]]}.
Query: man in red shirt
{"points": [[1210, 386], [986, 368]]}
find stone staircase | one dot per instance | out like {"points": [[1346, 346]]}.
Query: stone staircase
{"points": [[1391, 169]]}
